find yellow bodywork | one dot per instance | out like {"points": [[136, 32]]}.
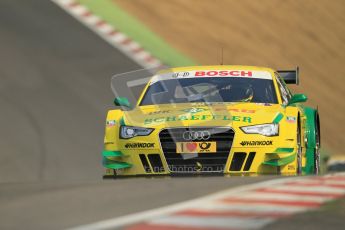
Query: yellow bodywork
{"points": [[235, 115]]}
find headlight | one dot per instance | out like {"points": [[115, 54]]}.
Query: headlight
{"points": [[127, 132], [265, 129]]}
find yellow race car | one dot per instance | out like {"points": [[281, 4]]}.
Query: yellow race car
{"points": [[235, 120]]}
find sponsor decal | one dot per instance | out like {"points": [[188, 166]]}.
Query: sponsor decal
{"points": [[139, 145], [197, 118], [192, 146], [205, 146], [197, 110], [196, 147], [196, 135], [256, 143], [180, 74], [236, 110], [212, 73], [221, 73], [194, 110], [291, 119], [110, 123], [264, 104], [159, 112]]}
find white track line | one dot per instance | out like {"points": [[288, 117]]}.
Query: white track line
{"points": [[141, 216], [171, 215], [319, 188], [281, 197], [262, 208], [109, 33], [212, 222]]}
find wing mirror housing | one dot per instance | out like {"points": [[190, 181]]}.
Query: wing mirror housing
{"points": [[298, 98], [122, 101]]}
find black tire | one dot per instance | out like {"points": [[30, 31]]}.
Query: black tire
{"points": [[299, 150], [317, 146]]}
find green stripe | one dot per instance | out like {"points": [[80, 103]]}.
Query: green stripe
{"points": [[122, 121], [114, 15], [106, 153], [115, 164], [284, 150], [281, 161], [278, 118]]}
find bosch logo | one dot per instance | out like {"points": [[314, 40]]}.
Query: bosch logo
{"points": [[196, 135]]}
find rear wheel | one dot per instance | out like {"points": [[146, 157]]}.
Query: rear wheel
{"points": [[317, 146], [299, 150]]}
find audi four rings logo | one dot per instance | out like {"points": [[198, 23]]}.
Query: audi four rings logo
{"points": [[196, 135]]}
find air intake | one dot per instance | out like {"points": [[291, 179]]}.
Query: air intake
{"points": [[249, 161], [156, 163], [237, 161], [145, 163]]}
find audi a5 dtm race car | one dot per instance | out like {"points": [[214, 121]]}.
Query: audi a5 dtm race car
{"points": [[214, 119]]}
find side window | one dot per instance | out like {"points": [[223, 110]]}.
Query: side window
{"points": [[284, 91], [287, 90]]}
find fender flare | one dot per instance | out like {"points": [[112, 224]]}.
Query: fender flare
{"points": [[312, 125]]}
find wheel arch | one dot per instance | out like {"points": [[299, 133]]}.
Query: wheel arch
{"points": [[312, 127]]}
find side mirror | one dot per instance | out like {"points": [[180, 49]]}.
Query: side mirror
{"points": [[297, 98], [122, 101]]}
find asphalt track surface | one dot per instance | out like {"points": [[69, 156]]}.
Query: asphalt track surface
{"points": [[55, 91], [54, 94]]}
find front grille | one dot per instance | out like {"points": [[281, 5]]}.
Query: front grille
{"points": [[201, 162]]}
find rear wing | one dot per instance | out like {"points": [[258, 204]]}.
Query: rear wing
{"points": [[290, 76]]}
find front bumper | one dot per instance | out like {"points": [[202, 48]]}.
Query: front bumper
{"points": [[240, 161]]}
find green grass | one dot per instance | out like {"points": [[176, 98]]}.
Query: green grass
{"points": [[114, 15]]}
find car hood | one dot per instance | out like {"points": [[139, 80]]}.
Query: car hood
{"points": [[201, 114]]}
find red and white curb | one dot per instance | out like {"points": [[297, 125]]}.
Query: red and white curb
{"points": [[247, 207], [109, 33]]}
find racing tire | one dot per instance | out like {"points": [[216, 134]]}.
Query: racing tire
{"points": [[317, 146], [299, 150]]}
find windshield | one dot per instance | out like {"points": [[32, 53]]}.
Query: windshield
{"points": [[210, 89]]}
